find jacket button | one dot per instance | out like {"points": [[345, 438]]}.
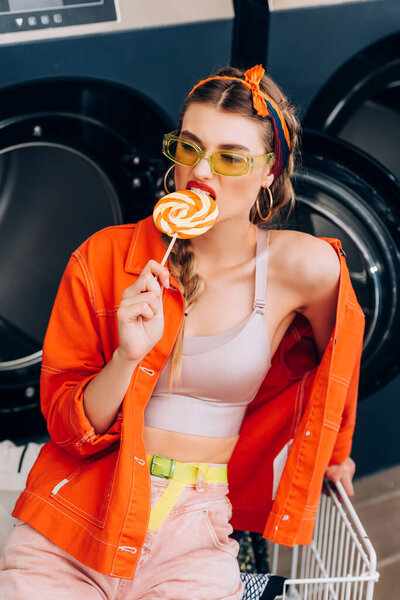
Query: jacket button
{"points": [[308, 433], [336, 340], [148, 371], [285, 518], [130, 549]]}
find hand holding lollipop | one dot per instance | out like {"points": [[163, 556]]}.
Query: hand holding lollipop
{"points": [[184, 214]]}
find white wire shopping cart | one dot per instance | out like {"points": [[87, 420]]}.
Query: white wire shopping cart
{"points": [[339, 564]]}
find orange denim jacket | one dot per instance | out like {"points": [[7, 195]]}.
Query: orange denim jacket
{"points": [[89, 493]]}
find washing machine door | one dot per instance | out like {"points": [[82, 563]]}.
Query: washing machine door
{"points": [[71, 163], [343, 193], [361, 103]]}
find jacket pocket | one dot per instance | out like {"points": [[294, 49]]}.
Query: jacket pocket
{"points": [[87, 490]]}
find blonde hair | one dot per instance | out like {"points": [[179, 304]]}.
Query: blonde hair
{"points": [[231, 96]]}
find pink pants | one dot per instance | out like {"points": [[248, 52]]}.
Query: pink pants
{"points": [[189, 556]]}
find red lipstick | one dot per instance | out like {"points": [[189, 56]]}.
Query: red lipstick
{"points": [[201, 186]]}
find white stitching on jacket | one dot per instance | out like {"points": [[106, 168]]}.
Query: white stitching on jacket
{"points": [[89, 283]]}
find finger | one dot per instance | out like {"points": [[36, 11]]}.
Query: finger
{"points": [[158, 271], [352, 466], [147, 313], [333, 489], [152, 298], [332, 475], [145, 283], [347, 485], [128, 314]]}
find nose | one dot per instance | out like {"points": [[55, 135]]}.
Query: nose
{"points": [[203, 169]]}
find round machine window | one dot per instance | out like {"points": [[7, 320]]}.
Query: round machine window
{"points": [[51, 199]]}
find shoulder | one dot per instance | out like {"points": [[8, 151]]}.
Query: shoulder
{"points": [[100, 256], [307, 263], [108, 236], [105, 245]]}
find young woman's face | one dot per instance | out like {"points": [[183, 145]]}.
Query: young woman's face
{"points": [[212, 130]]}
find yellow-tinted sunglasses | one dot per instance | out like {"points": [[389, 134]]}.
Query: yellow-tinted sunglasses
{"points": [[222, 162]]}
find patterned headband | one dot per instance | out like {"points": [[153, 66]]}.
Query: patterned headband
{"points": [[264, 105]]}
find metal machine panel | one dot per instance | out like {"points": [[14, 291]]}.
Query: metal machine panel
{"points": [[31, 15], [74, 17]]}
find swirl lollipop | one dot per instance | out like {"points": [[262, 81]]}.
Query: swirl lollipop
{"points": [[184, 214]]}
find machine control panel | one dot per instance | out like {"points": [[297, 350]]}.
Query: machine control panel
{"points": [[28, 15]]}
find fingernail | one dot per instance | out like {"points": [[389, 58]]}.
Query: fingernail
{"points": [[166, 284]]}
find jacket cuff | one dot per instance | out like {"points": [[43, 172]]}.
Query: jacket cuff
{"points": [[84, 441], [342, 447]]}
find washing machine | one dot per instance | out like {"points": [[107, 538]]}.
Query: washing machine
{"points": [[87, 89], [338, 61]]}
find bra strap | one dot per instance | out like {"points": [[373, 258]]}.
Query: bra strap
{"points": [[261, 270]]}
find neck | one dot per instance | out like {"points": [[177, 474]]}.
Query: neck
{"points": [[227, 244]]}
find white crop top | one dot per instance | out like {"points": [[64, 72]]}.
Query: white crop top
{"points": [[221, 373]]}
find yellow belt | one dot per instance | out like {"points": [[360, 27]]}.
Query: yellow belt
{"points": [[180, 475]]}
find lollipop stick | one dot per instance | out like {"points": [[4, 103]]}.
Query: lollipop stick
{"points": [[172, 242]]}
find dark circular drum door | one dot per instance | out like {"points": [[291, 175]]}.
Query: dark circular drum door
{"points": [[69, 166], [361, 103], [344, 193], [52, 197]]}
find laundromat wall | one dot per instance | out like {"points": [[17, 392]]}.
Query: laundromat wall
{"points": [[84, 102]]}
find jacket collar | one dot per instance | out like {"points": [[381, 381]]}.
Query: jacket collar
{"points": [[146, 243]]}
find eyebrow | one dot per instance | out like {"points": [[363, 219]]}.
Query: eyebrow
{"points": [[222, 146]]}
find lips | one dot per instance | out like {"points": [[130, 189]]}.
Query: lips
{"points": [[201, 186]]}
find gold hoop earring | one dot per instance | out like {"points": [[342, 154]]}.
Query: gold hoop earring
{"points": [[271, 202], [166, 177]]}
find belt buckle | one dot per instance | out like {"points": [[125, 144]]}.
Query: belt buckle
{"points": [[164, 467]]}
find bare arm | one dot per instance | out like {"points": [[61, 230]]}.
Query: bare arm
{"points": [[103, 395], [320, 287]]}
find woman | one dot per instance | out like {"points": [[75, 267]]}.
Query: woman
{"points": [[178, 372]]}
